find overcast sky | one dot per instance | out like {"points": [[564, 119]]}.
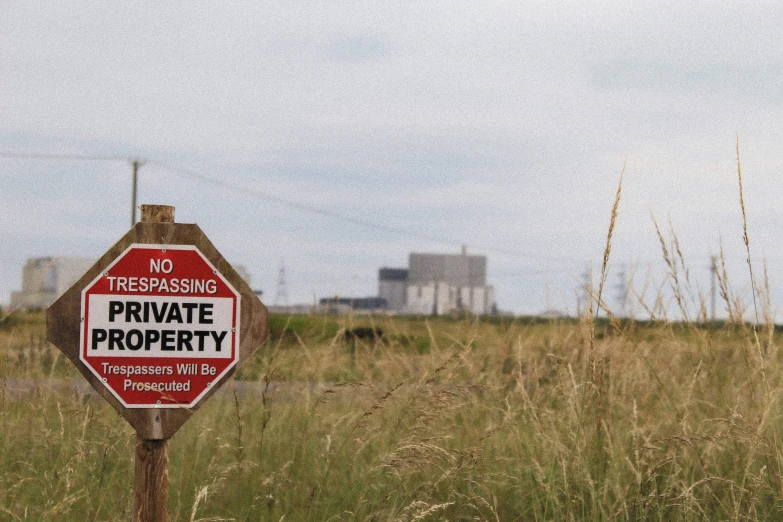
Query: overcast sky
{"points": [[335, 138]]}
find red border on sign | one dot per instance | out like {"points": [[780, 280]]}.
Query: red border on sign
{"points": [[160, 382]]}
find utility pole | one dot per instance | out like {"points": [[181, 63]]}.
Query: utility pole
{"points": [[714, 270], [136, 164]]}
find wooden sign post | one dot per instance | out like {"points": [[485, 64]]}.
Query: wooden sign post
{"points": [[156, 326]]}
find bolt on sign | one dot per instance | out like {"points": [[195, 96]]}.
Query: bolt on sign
{"points": [[158, 324]]}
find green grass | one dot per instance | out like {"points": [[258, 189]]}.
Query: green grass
{"points": [[426, 419], [406, 419]]}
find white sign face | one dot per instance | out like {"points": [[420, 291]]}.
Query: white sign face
{"points": [[155, 326]]}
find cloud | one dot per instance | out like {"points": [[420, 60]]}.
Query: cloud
{"points": [[356, 49], [499, 125]]}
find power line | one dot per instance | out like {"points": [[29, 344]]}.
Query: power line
{"points": [[52, 156], [287, 202], [135, 163], [350, 219], [530, 272]]}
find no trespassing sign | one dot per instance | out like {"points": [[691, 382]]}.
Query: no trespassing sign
{"points": [[160, 326]]}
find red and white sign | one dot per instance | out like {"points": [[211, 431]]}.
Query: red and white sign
{"points": [[160, 326]]}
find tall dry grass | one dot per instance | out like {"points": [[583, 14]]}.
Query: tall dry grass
{"points": [[492, 421], [409, 419]]}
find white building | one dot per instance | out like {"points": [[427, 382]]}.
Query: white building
{"points": [[44, 279], [438, 284]]}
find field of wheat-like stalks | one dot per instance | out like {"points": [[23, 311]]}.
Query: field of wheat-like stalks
{"points": [[361, 418], [424, 419]]}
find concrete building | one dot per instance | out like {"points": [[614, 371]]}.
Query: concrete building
{"points": [[438, 284], [44, 279], [392, 287], [344, 305]]}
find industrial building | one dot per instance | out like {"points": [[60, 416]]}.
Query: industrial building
{"points": [[44, 279], [343, 305], [438, 284], [393, 286]]}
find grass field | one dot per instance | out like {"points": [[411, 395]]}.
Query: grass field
{"points": [[360, 418]]}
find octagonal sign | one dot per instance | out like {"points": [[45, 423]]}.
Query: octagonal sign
{"points": [[160, 326]]}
